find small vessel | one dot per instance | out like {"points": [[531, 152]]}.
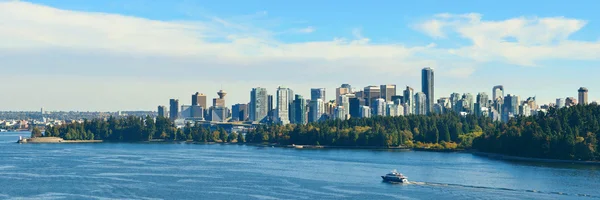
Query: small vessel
{"points": [[395, 177]]}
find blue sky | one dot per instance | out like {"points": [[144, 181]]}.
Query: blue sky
{"points": [[107, 55]]}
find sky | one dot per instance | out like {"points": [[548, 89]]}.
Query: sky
{"points": [[110, 55]]}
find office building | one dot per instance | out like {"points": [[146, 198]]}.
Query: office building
{"points": [[371, 93], [365, 112], [239, 112], [196, 112], [421, 103], [583, 96], [220, 101], [394, 110], [162, 111], [318, 93], [174, 109], [427, 86], [299, 110], [317, 109], [339, 92], [356, 105], [470, 102], [454, 98], [258, 109], [397, 99], [497, 92], [199, 99], [340, 113], [570, 101], [219, 114], [283, 104], [409, 100], [379, 107], [387, 91]]}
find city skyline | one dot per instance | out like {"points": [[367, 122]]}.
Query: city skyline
{"points": [[133, 53]]}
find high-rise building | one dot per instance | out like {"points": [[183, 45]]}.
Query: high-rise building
{"points": [[299, 110], [371, 93], [438, 108], [394, 110], [560, 103], [345, 102], [356, 105], [387, 91], [397, 99], [258, 110], [427, 86], [219, 113], [497, 92], [317, 109], [239, 112], [339, 113], [421, 103], [454, 98], [470, 102], [318, 93], [199, 99], [379, 107], [511, 107], [482, 102], [174, 109], [196, 112], [339, 92], [271, 110], [409, 100], [220, 101], [282, 110], [365, 112], [583, 95], [162, 111]]}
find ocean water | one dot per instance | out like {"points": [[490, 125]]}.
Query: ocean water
{"points": [[194, 171]]}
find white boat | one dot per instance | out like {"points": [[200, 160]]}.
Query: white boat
{"points": [[395, 177]]}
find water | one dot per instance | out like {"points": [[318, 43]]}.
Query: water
{"points": [[183, 171]]}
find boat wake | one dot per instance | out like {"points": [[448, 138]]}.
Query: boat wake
{"points": [[498, 188]]}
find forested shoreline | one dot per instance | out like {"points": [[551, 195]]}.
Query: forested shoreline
{"points": [[568, 133]]}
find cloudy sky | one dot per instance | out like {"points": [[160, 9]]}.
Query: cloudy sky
{"points": [[110, 55]]}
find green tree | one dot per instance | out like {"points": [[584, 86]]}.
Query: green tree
{"points": [[36, 133]]}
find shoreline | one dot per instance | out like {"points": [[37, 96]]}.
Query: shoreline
{"points": [[54, 140]]}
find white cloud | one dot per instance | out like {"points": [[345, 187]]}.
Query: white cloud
{"points": [[522, 41], [309, 29]]}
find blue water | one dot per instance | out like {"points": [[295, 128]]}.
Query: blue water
{"points": [[185, 171]]}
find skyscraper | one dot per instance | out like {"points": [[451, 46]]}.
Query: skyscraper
{"points": [[220, 101], [560, 103], [409, 100], [270, 108], [379, 107], [421, 103], [497, 92], [387, 91], [583, 96], [345, 102], [199, 99], [239, 112], [282, 110], [427, 87], [317, 93], [470, 102], [356, 105], [162, 111], [454, 98], [371, 93], [317, 108], [258, 104], [365, 112], [299, 110], [174, 108], [341, 91]]}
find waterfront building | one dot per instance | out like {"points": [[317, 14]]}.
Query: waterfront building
{"points": [[317, 109], [239, 112], [196, 112]]}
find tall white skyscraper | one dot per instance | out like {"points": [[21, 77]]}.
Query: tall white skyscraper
{"points": [[409, 100], [283, 105]]}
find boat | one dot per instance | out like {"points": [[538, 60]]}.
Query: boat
{"points": [[395, 177], [3, 130]]}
